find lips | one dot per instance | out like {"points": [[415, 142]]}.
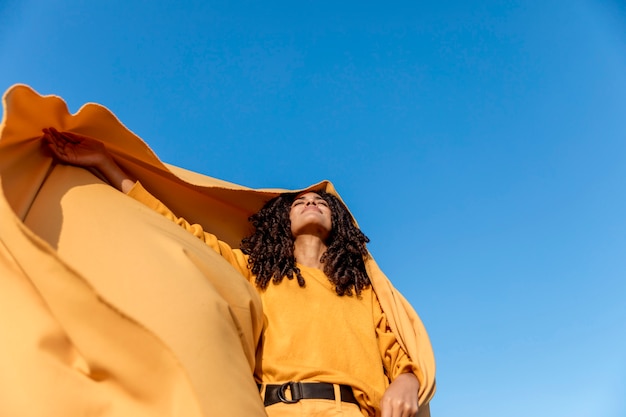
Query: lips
{"points": [[311, 208]]}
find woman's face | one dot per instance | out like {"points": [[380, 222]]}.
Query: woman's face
{"points": [[310, 214]]}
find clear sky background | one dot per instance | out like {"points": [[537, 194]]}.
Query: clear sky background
{"points": [[480, 144]]}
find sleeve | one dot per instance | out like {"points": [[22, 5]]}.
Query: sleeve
{"points": [[234, 256], [395, 360]]}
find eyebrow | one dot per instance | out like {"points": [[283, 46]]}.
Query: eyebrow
{"points": [[316, 197]]}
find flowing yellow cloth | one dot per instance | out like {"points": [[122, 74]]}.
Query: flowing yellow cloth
{"points": [[109, 309]]}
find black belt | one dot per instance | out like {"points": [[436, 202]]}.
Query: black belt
{"points": [[306, 390]]}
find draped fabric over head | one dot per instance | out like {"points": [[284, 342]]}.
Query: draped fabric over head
{"points": [[108, 309]]}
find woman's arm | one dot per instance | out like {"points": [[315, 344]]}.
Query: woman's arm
{"points": [[400, 399], [82, 151], [86, 152]]}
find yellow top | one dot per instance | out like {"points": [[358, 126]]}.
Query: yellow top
{"points": [[311, 333]]}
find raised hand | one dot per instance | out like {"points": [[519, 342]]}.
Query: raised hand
{"points": [[73, 149]]}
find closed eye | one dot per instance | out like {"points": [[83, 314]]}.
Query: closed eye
{"points": [[302, 200]]}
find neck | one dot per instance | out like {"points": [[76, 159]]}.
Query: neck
{"points": [[308, 250]]}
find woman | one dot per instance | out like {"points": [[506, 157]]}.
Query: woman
{"points": [[327, 348]]}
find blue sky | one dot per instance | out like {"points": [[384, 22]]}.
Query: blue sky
{"points": [[481, 146]]}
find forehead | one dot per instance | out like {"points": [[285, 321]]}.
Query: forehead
{"points": [[309, 194]]}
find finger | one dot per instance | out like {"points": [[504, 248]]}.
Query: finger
{"points": [[55, 145], [59, 139], [52, 143], [51, 131], [385, 409], [46, 144], [57, 151], [65, 138], [52, 139], [74, 137], [409, 410], [71, 138], [397, 408], [48, 139]]}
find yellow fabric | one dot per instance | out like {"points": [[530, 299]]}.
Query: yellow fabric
{"points": [[112, 309], [106, 308], [297, 319]]}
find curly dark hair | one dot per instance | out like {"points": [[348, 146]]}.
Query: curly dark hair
{"points": [[271, 246]]}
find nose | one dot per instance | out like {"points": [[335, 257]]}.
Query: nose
{"points": [[311, 202]]}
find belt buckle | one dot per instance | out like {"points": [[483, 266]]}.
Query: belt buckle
{"points": [[296, 392]]}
